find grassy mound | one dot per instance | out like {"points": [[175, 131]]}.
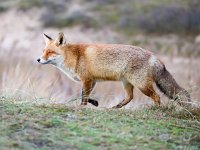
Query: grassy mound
{"points": [[28, 126]]}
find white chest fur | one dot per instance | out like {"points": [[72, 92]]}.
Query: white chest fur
{"points": [[59, 63], [69, 72]]}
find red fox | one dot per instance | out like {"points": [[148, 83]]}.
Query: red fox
{"points": [[133, 66]]}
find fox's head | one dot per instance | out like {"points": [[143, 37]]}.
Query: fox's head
{"points": [[52, 53]]}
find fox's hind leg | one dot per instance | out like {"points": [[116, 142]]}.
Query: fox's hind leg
{"points": [[148, 90], [128, 87]]}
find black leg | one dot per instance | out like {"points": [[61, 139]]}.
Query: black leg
{"points": [[86, 90]]}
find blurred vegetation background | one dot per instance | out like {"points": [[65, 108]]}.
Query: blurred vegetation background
{"points": [[151, 16], [179, 16]]}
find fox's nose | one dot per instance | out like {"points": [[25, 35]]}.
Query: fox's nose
{"points": [[38, 59]]}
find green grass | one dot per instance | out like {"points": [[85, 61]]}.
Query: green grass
{"points": [[29, 126]]}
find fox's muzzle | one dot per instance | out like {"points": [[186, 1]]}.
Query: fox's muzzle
{"points": [[42, 61]]}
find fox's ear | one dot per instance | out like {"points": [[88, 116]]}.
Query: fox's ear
{"points": [[46, 38], [61, 39]]}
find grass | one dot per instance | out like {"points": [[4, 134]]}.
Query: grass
{"points": [[30, 126]]}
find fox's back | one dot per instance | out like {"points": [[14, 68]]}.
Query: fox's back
{"points": [[113, 59]]}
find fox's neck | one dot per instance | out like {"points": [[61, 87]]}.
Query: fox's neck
{"points": [[69, 71], [61, 64], [71, 55]]}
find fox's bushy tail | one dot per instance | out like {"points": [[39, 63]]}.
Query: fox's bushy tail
{"points": [[167, 84]]}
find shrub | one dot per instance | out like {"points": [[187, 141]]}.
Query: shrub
{"points": [[50, 19], [56, 6], [171, 19], [3, 9], [25, 5]]}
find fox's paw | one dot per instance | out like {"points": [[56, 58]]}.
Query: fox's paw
{"points": [[93, 102], [83, 103], [79, 107], [117, 106]]}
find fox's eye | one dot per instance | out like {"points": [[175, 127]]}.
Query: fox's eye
{"points": [[51, 52]]}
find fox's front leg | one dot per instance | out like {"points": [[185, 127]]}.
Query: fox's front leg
{"points": [[88, 86]]}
